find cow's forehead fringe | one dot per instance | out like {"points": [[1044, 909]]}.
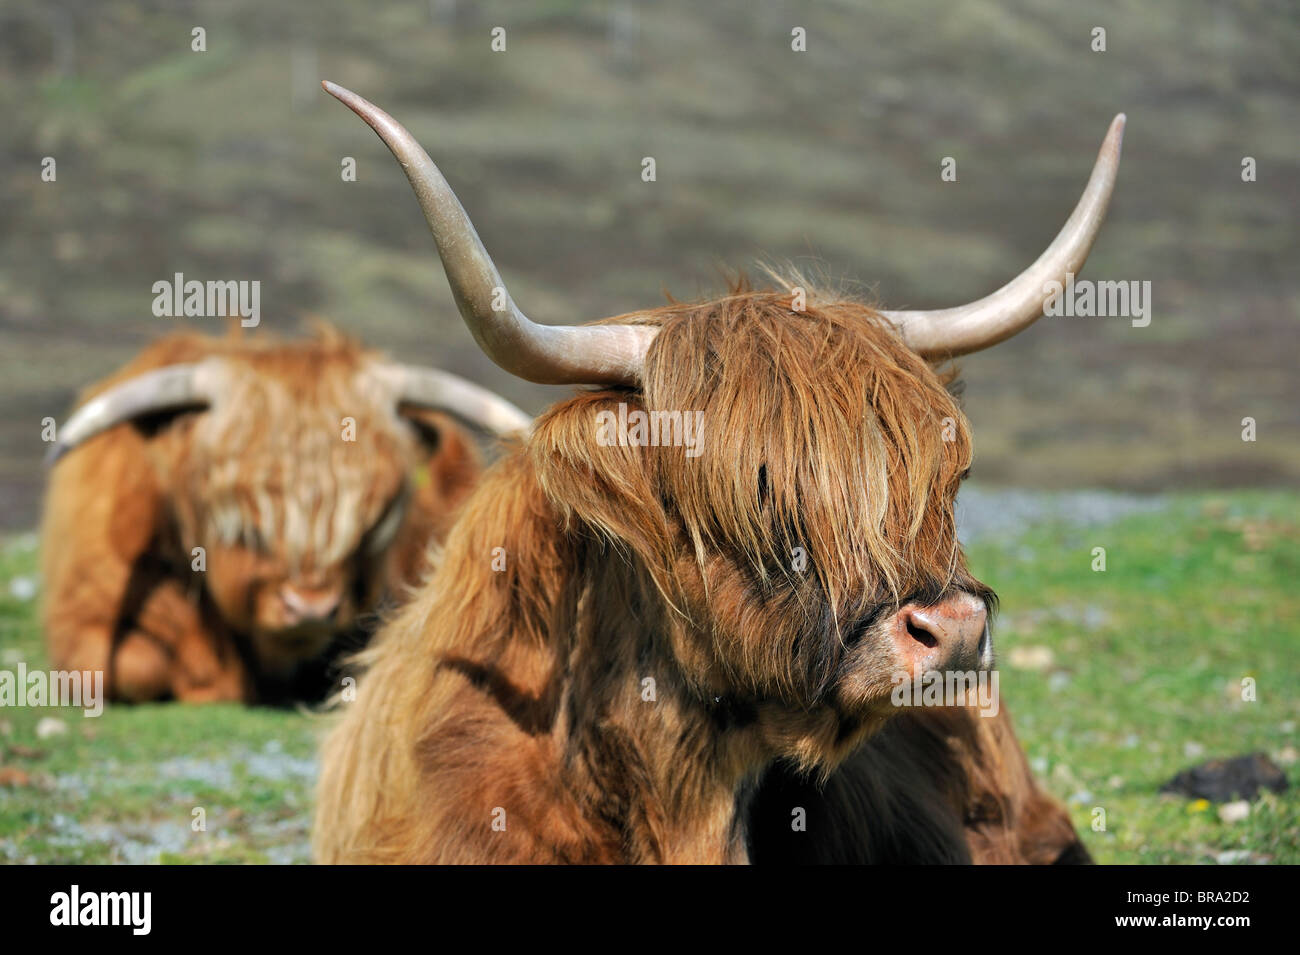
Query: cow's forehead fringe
{"points": [[821, 431], [302, 453]]}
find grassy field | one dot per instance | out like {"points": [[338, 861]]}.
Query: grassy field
{"points": [[1117, 680]]}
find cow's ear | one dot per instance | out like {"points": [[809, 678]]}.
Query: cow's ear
{"points": [[152, 424], [428, 426], [453, 457]]}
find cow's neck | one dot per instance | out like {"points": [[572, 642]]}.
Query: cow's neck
{"points": [[546, 667], [661, 764]]}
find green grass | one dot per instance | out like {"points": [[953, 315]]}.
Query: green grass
{"points": [[123, 787], [1147, 660]]}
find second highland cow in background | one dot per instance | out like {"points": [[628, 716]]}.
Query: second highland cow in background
{"points": [[237, 506]]}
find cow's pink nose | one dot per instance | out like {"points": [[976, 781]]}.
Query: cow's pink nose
{"points": [[309, 606], [952, 634]]}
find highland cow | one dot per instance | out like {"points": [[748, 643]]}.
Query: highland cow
{"points": [[236, 507], [621, 640]]}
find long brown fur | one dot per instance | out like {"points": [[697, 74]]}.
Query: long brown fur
{"points": [[938, 786], [615, 690], [265, 483]]}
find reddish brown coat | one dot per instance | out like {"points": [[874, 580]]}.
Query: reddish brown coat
{"points": [[504, 716], [124, 511]]}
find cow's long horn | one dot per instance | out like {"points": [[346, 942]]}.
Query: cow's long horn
{"points": [[195, 385], [431, 388], [601, 354], [948, 332]]}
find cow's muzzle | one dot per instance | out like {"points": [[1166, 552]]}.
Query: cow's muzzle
{"points": [[952, 634]]}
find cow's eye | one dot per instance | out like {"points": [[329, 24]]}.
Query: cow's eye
{"points": [[853, 636], [256, 541]]}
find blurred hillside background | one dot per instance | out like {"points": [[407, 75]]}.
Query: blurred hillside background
{"points": [[226, 165]]}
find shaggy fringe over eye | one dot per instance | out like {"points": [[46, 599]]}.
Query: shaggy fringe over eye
{"points": [[822, 431], [293, 488]]}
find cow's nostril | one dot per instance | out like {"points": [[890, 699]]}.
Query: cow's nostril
{"points": [[920, 634], [944, 635]]}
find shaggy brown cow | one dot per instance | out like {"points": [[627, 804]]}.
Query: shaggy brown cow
{"points": [[311, 474], [629, 627]]}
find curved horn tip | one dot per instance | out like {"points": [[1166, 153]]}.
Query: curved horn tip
{"points": [[341, 92], [549, 354], [947, 333], [1114, 140], [345, 96]]}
